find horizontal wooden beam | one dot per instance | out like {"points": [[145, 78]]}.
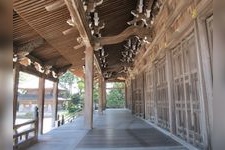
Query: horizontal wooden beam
{"points": [[25, 49], [33, 71], [63, 69], [43, 64], [53, 61], [130, 31]]}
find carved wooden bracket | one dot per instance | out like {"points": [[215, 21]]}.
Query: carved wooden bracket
{"points": [[92, 5]]}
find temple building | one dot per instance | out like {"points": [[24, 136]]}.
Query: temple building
{"points": [[162, 50]]}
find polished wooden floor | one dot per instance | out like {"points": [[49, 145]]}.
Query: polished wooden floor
{"points": [[116, 129]]}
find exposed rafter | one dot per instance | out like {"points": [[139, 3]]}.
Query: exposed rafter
{"points": [[56, 5]]}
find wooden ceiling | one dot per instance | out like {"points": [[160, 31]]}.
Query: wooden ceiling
{"points": [[32, 21], [115, 14]]}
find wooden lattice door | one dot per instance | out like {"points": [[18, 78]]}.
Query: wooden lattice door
{"points": [[162, 101], [149, 97], [186, 91]]}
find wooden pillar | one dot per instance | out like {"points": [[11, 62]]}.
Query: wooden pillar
{"points": [[154, 93], [15, 90], [207, 73], [143, 94], [100, 103], [88, 98], [126, 96], [204, 107], [104, 95], [218, 134], [55, 103], [41, 101], [169, 77]]}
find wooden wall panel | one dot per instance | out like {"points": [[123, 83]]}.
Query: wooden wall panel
{"points": [[149, 96], [186, 91], [162, 100]]}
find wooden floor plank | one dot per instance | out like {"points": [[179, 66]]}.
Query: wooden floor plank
{"points": [[114, 130]]}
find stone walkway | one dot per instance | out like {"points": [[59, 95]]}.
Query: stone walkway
{"points": [[117, 129]]}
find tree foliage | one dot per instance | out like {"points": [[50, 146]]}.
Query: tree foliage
{"points": [[67, 80], [115, 97]]}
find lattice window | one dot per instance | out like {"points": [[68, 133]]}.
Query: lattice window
{"points": [[162, 95], [186, 91]]}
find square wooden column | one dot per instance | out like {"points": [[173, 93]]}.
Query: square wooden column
{"points": [[104, 94], [154, 92], [55, 103], [172, 113], [218, 132], [88, 98], [41, 101], [126, 96], [15, 90], [100, 103]]}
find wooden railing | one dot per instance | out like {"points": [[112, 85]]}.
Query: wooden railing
{"points": [[64, 119], [24, 138]]}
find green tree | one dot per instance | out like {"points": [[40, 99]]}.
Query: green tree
{"points": [[96, 94], [67, 80], [80, 84], [115, 97]]}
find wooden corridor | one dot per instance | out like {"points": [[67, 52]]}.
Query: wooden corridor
{"points": [[115, 130]]}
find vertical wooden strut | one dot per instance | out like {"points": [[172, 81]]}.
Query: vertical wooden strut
{"points": [[55, 103], [88, 99], [126, 95], [100, 107], [41, 100], [104, 94], [170, 92], [15, 90]]}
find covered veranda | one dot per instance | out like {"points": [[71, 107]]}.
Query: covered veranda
{"points": [[160, 49], [117, 129]]}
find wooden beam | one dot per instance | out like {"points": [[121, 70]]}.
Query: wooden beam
{"points": [[53, 61], [100, 103], [55, 103], [69, 31], [16, 71], [56, 5], [26, 49], [33, 71], [104, 94], [41, 101], [132, 30], [77, 13], [63, 69], [88, 98]]}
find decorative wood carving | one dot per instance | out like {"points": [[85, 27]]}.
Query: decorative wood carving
{"points": [[92, 4]]}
